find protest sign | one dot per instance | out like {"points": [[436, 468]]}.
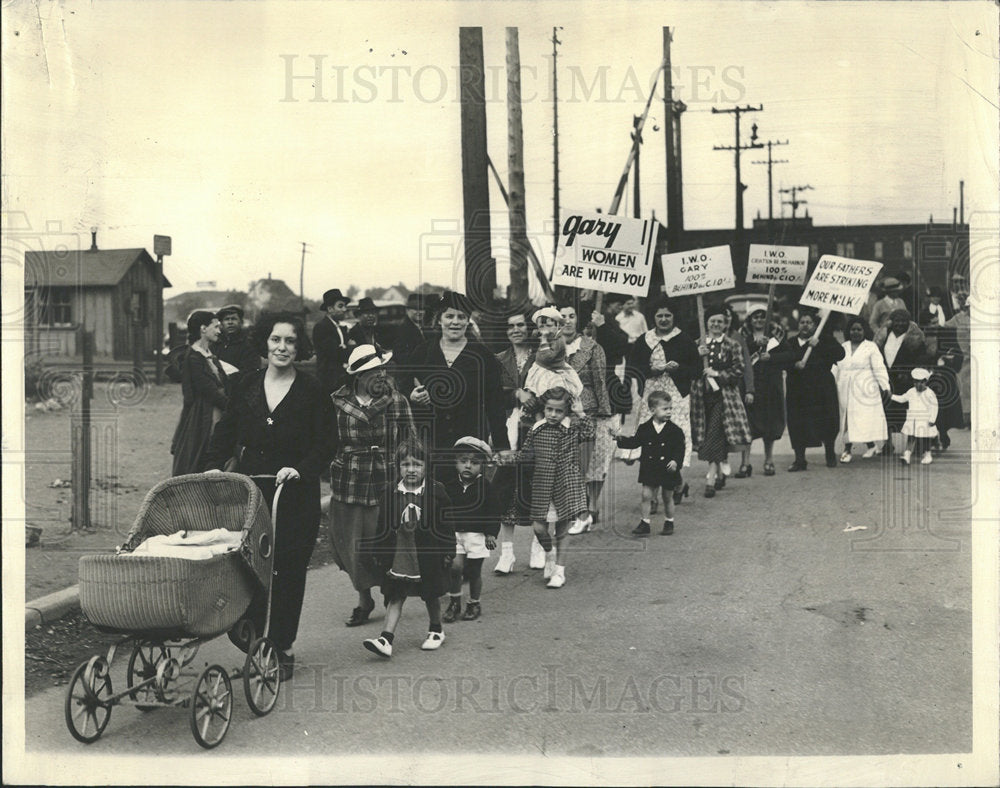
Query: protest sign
{"points": [[606, 253], [698, 271], [779, 265], [840, 284]]}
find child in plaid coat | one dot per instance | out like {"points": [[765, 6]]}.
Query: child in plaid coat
{"points": [[558, 490]]}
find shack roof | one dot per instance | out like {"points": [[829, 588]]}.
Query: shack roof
{"points": [[74, 268]]}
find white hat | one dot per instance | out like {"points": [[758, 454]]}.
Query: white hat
{"points": [[550, 312], [920, 374], [474, 443], [365, 357]]}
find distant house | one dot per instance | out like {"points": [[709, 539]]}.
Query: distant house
{"points": [[271, 295], [395, 295], [111, 292]]}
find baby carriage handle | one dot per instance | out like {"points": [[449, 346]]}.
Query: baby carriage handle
{"points": [[274, 539]]}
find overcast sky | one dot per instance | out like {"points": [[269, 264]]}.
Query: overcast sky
{"points": [[179, 118]]}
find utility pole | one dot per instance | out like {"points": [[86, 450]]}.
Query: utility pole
{"points": [[555, 146], [737, 147], [515, 175], [770, 189], [302, 276], [480, 273], [794, 201], [672, 138], [637, 139]]}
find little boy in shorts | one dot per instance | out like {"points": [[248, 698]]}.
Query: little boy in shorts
{"points": [[475, 516]]}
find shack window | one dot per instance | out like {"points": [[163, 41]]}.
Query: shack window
{"points": [[55, 306]]}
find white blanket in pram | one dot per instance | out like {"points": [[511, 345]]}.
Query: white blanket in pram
{"points": [[195, 545]]}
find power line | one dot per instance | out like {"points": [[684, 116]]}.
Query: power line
{"points": [[770, 204], [737, 147]]}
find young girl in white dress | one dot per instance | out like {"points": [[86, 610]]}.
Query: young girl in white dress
{"points": [[921, 413]]}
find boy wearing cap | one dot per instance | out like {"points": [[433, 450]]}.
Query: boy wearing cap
{"points": [[475, 516], [921, 413]]}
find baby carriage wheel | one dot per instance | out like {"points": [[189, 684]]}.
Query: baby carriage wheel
{"points": [[142, 666], [261, 676], [87, 708], [211, 706]]}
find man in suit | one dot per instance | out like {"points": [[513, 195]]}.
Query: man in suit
{"points": [[409, 334], [366, 331], [330, 342]]}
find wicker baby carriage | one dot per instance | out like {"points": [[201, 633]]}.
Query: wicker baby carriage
{"points": [[168, 606]]}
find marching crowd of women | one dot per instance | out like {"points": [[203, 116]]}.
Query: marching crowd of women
{"points": [[436, 448]]}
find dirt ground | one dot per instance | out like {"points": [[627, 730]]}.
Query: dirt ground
{"points": [[131, 454]]}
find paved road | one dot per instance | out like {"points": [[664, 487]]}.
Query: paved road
{"points": [[760, 627]]}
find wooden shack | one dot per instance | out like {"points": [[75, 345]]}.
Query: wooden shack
{"points": [[112, 292]]}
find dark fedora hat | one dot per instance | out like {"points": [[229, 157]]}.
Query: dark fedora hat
{"points": [[331, 297], [366, 305], [414, 301]]}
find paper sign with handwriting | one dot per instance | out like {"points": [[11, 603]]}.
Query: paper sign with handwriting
{"points": [[698, 271], [608, 253], [778, 265], [840, 284]]}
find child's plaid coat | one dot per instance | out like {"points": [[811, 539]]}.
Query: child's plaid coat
{"points": [[555, 451]]}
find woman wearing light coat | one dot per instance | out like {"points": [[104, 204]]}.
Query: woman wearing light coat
{"points": [[862, 382]]}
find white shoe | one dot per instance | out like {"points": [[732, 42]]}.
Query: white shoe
{"points": [[558, 579], [433, 642], [506, 562], [727, 469], [845, 457], [550, 564], [905, 458], [579, 526], [537, 558], [926, 459], [870, 453], [379, 645]]}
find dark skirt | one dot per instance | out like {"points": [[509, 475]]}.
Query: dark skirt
{"points": [[767, 413], [713, 448], [395, 589], [295, 539], [350, 525], [944, 384]]}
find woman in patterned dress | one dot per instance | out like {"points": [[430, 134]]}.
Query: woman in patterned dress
{"points": [[370, 420], [587, 358], [718, 418], [666, 359]]}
